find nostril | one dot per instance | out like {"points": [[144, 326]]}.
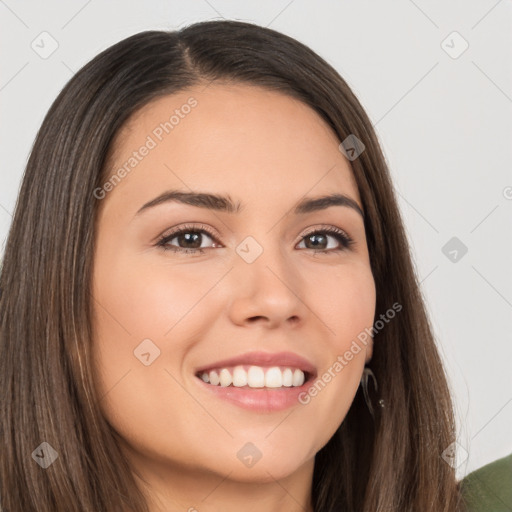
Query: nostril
{"points": [[255, 318]]}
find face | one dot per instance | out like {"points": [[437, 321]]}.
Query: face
{"points": [[182, 287]]}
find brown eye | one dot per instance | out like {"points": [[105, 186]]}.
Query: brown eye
{"points": [[319, 240], [187, 239]]}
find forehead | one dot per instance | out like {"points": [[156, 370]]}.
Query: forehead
{"points": [[240, 139]]}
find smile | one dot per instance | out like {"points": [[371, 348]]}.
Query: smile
{"points": [[251, 376]]}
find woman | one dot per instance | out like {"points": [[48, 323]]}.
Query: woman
{"points": [[145, 371]]}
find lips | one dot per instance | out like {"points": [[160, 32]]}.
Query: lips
{"points": [[272, 396], [288, 359]]}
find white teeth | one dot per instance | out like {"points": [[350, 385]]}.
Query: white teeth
{"points": [[287, 378], [225, 378], [255, 377], [298, 378], [214, 378], [273, 378], [239, 377]]}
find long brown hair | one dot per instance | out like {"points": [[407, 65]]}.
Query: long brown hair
{"points": [[390, 463]]}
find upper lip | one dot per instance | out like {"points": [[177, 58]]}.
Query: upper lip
{"points": [[264, 359]]}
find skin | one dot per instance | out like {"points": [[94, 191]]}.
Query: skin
{"points": [[267, 151]]}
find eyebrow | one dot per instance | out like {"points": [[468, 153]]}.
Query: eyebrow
{"points": [[226, 204]]}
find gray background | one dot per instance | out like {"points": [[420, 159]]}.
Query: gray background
{"points": [[443, 116]]}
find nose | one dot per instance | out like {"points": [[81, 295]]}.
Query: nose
{"points": [[266, 291]]}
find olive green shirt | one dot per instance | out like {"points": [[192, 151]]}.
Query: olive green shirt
{"points": [[489, 488]]}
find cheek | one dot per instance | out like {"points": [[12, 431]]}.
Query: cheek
{"points": [[133, 302], [147, 300], [345, 303], [136, 301], [347, 307]]}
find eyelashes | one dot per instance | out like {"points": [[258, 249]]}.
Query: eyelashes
{"points": [[163, 242], [343, 238], [197, 232]]}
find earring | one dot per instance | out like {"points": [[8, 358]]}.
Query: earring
{"points": [[367, 372]]}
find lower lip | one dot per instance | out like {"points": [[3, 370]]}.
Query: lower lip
{"points": [[258, 399]]}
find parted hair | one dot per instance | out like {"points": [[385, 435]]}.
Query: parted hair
{"points": [[392, 462]]}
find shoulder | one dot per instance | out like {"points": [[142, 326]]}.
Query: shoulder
{"points": [[489, 488]]}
